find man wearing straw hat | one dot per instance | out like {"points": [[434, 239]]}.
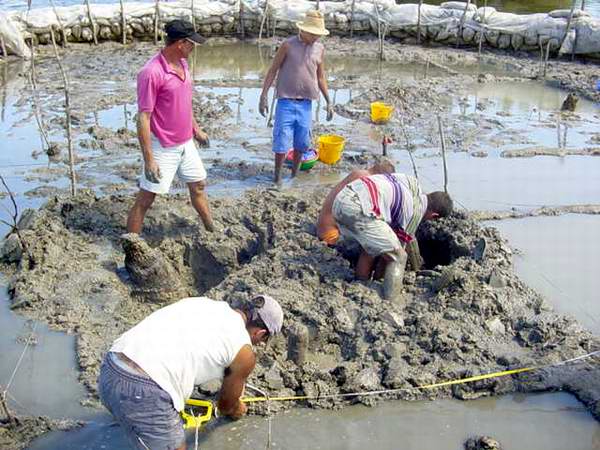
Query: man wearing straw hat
{"points": [[151, 370], [299, 66]]}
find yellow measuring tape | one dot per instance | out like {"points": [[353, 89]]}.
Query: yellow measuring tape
{"points": [[191, 421]]}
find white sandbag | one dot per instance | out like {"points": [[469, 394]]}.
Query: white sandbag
{"points": [[565, 13], [484, 13], [459, 6], [588, 33], [13, 37]]}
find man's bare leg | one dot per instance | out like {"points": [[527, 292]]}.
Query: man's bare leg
{"points": [[296, 162], [200, 203], [279, 158], [142, 204], [364, 266]]}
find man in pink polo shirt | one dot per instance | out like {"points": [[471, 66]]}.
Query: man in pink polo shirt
{"points": [[167, 128]]}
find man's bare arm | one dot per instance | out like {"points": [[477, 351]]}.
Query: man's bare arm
{"points": [[151, 169], [229, 403], [270, 77]]}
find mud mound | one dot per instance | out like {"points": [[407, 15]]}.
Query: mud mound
{"points": [[24, 429], [465, 314]]}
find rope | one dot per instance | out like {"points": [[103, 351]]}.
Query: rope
{"points": [[27, 344], [426, 386]]}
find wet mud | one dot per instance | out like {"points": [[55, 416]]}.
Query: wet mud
{"points": [[466, 314], [16, 434]]}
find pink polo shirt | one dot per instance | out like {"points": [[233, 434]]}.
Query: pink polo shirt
{"points": [[163, 93]]}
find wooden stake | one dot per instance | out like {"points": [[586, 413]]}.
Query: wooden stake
{"points": [[262, 22], [156, 19], [242, 29], [443, 142], [4, 405], [558, 128], [3, 46], [60, 24], [352, 18], [92, 22], [36, 106], [482, 32], [568, 25], [123, 23], [68, 114], [270, 119], [318, 5], [193, 16], [546, 60], [419, 22], [462, 23]]}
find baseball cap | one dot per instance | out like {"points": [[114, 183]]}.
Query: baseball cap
{"points": [[270, 312], [182, 29]]}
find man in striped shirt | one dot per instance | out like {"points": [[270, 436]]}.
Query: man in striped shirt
{"points": [[382, 212]]}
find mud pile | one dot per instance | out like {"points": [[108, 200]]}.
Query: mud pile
{"points": [[465, 314], [22, 430]]}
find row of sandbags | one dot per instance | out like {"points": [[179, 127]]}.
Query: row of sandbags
{"points": [[445, 23]]}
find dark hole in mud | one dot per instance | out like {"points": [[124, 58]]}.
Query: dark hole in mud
{"points": [[435, 252]]}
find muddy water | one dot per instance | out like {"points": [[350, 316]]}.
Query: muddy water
{"points": [[524, 109], [558, 256], [534, 422]]}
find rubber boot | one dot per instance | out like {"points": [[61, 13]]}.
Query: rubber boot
{"points": [[394, 277]]}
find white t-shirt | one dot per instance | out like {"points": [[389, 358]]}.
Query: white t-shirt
{"points": [[185, 344]]}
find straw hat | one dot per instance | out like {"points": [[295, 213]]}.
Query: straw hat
{"points": [[313, 23]]}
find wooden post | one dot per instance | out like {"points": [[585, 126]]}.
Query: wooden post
{"points": [[92, 22], [318, 5], [482, 32], [568, 25], [3, 46], [193, 16], [4, 405], [68, 114], [125, 115], [262, 22], [36, 106], [352, 18], [443, 142], [558, 128], [419, 22], [241, 11], [270, 119], [60, 24], [546, 59], [462, 23], [123, 23], [156, 19]]}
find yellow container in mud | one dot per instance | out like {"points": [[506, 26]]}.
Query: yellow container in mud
{"points": [[196, 412], [381, 112], [331, 147]]}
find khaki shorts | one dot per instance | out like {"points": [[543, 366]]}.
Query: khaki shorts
{"points": [[183, 160], [374, 235]]}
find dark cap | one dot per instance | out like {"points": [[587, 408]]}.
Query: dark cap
{"points": [[182, 29]]}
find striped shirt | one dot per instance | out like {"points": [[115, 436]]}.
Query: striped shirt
{"points": [[396, 198]]}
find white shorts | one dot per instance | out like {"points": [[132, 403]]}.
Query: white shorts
{"points": [[183, 160], [374, 235]]}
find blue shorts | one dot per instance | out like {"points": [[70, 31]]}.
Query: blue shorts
{"points": [[143, 409], [292, 125]]}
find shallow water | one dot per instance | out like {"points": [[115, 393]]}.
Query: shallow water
{"points": [[549, 421], [558, 257], [533, 422]]}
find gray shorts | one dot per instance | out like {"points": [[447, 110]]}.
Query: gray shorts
{"points": [[143, 409], [374, 235]]}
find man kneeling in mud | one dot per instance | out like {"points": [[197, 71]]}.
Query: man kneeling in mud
{"points": [[382, 212], [151, 370], [327, 228]]}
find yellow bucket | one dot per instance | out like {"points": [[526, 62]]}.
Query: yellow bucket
{"points": [[191, 414], [330, 148], [381, 112]]}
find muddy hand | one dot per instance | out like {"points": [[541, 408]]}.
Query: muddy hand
{"points": [[202, 139], [329, 112], [263, 107], [152, 172]]}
